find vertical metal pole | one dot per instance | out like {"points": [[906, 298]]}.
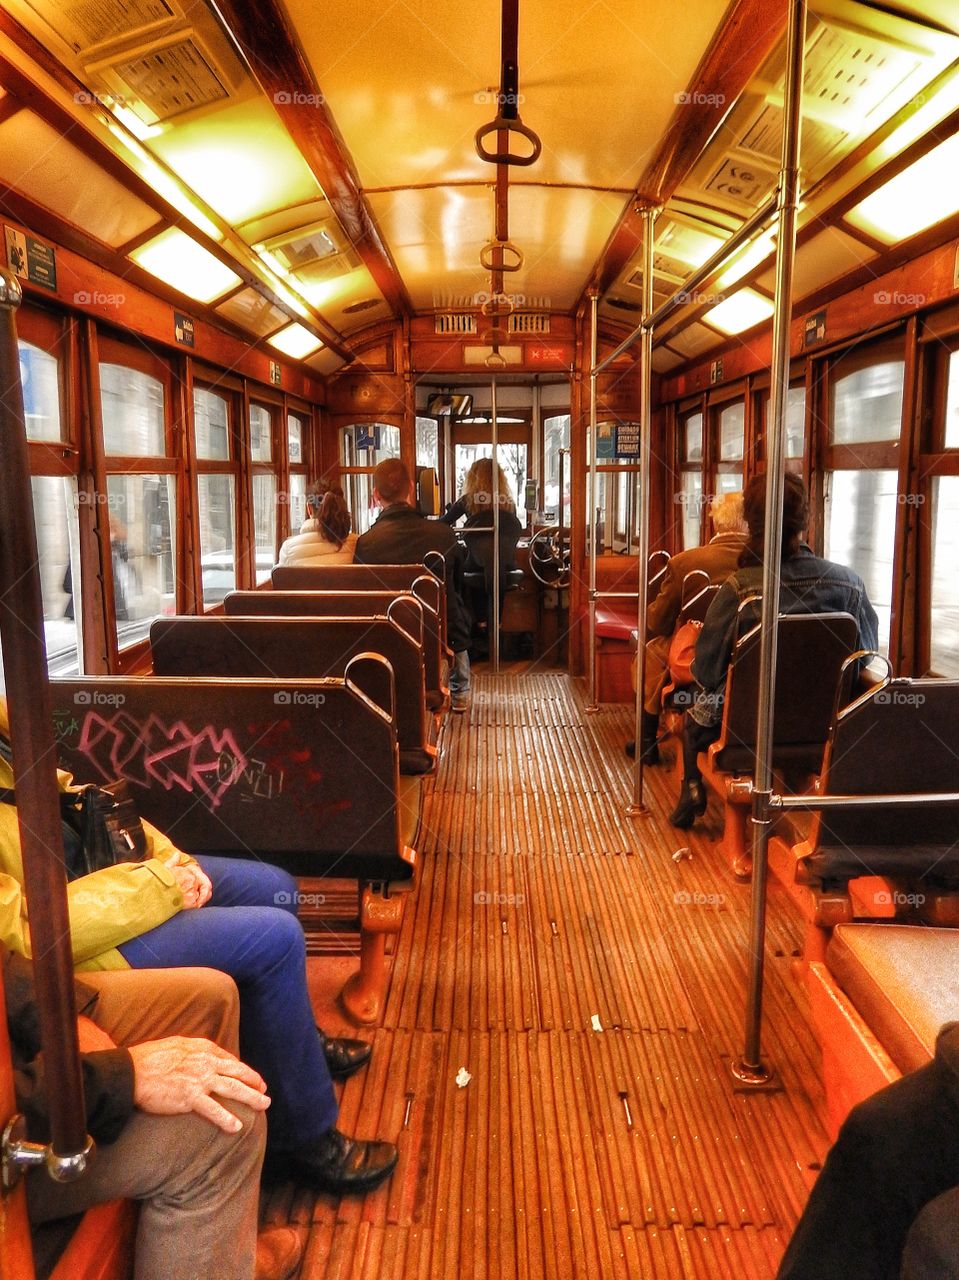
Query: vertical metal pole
{"points": [[750, 1069], [537, 451], [637, 807], [592, 705], [495, 495], [34, 758]]}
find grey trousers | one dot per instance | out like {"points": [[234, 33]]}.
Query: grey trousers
{"points": [[198, 1187]]}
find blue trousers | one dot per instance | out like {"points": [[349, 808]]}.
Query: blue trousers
{"points": [[249, 930]]}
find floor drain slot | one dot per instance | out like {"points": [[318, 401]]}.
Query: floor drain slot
{"points": [[624, 1099], [409, 1108]]}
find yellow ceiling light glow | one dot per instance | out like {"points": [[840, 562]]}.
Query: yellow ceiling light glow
{"points": [[295, 341], [739, 312], [923, 194], [752, 256], [165, 185], [185, 265]]}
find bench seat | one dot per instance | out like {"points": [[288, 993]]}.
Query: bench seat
{"points": [[616, 619], [904, 982]]}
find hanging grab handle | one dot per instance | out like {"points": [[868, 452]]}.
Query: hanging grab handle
{"points": [[508, 124], [506, 247]]}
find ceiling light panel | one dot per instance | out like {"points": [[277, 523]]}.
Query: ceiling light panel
{"points": [[739, 312], [185, 265], [295, 341], [924, 193]]}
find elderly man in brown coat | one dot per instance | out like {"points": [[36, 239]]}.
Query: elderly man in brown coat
{"points": [[718, 558]]}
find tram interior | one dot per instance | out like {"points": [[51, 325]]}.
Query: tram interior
{"points": [[262, 245]]}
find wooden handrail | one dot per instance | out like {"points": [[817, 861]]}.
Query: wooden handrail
{"points": [[34, 753]]}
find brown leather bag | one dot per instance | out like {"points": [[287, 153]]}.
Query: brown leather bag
{"points": [[682, 650]]}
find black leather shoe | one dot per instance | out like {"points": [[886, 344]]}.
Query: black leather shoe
{"points": [[343, 1166], [692, 805], [344, 1057], [630, 750]]}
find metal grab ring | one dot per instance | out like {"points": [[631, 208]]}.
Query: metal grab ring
{"points": [[493, 337], [498, 125], [494, 306], [495, 360], [507, 246]]}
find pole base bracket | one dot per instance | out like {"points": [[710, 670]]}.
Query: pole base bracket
{"points": [[753, 1079]]}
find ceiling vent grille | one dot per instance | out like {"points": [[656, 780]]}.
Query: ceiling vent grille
{"points": [[453, 323], [529, 322]]}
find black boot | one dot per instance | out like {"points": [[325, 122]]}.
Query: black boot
{"points": [[649, 737], [692, 805]]}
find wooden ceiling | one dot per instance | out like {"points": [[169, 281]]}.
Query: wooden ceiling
{"points": [[326, 152]]}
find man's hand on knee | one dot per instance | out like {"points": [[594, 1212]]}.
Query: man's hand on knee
{"points": [[179, 1075]]}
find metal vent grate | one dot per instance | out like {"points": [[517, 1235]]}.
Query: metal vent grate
{"points": [[455, 322], [529, 322]]}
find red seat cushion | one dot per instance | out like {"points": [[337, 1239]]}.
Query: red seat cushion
{"points": [[615, 619]]}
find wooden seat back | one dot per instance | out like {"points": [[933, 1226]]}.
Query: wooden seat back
{"points": [[308, 648], [811, 650], [426, 591], [302, 772], [362, 577], [900, 737]]}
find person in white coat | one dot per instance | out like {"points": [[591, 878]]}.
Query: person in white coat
{"points": [[325, 537]]}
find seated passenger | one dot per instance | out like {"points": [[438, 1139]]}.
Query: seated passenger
{"points": [[402, 536], [150, 1108], [324, 536], [174, 911], [718, 558], [808, 585], [886, 1204], [476, 504]]}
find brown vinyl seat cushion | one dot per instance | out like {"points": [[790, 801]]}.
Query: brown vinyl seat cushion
{"points": [[410, 804], [903, 980]]}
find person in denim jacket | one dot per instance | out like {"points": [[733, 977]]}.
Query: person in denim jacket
{"points": [[808, 584]]}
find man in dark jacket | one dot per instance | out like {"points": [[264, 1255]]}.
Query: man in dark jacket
{"points": [[886, 1205], [402, 536], [178, 1120]]}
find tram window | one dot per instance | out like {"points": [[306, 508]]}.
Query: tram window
{"points": [[866, 401], [860, 528], [217, 498], [512, 459], [40, 376], [944, 638], [261, 434], [952, 403], [690, 495], [556, 432], [366, 444], [617, 512], [297, 500], [132, 406], [732, 440], [264, 522], [264, 491], [795, 421], [55, 509], [142, 532], [363, 445], [211, 424], [294, 437], [427, 443]]}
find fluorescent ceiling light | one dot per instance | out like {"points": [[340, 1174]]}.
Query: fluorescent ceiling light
{"points": [[739, 312], [185, 265], [755, 253], [164, 184], [295, 341], [919, 197]]}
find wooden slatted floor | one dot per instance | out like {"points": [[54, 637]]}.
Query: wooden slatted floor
{"points": [[571, 1152]]}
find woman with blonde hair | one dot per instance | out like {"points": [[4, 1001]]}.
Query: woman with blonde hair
{"points": [[325, 536], [476, 504]]}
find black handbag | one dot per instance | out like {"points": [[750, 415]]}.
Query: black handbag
{"points": [[101, 825]]}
